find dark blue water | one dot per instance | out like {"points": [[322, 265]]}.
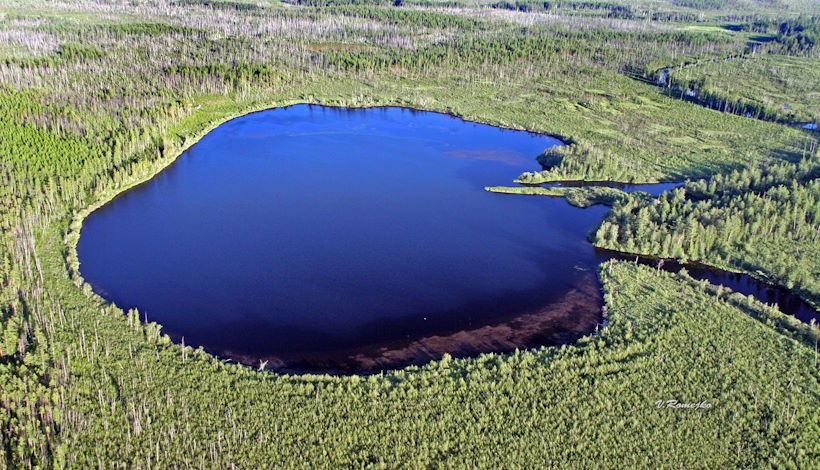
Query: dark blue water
{"points": [[327, 239], [310, 236]]}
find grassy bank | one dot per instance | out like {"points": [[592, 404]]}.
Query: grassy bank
{"points": [[579, 197]]}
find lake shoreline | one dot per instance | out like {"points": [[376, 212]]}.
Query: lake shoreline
{"points": [[72, 237]]}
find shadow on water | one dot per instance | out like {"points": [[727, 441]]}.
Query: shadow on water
{"points": [[351, 241]]}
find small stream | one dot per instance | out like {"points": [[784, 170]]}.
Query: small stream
{"points": [[786, 301]]}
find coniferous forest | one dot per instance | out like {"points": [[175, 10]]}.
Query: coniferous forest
{"points": [[765, 221], [720, 96]]}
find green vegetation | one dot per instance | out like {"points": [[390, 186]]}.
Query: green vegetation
{"points": [[764, 221], [799, 34], [771, 87], [586, 403], [579, 197], [97, 96]]}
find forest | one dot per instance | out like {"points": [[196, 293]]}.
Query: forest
{"points": [[765, 221], [708, 84], [99, 96]]}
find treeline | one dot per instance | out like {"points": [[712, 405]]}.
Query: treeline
{"points": [[704, 4], [765, 86], [395, 3], [219, 5], [44, 170], [617, 50], [692, 14], [233, 75], [581, 160], [796, 35], [703, 92], [800, 34], [607, 9], [765, 221], [66, 53], [151, 29], [407, 17], [611, 10], [371, 3]]}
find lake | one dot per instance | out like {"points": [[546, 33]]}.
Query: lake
{"points": [[349, 240], [323, 238]]}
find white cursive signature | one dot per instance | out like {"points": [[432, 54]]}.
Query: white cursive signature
{"points": [[675, 404]]}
